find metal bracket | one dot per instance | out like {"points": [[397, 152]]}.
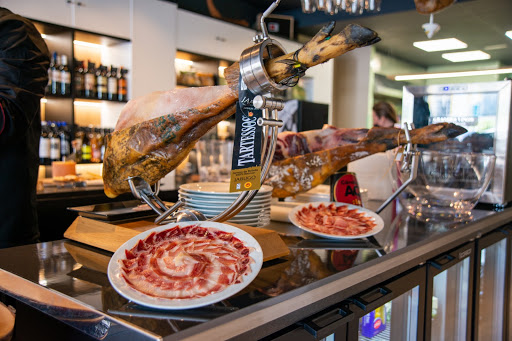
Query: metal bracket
{"points": [[411, 160]]}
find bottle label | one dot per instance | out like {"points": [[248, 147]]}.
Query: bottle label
{"points": [[54, 148], [65, 77], [44, 148], [112, 85], [56, 77], [344, 188], [89, 82]]}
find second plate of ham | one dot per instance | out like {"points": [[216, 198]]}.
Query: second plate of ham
{"points": [[336, 220]]}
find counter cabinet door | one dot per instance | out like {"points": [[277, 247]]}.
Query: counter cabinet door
{"points": [[52, 11], [490, 282], [449, 295], [210, 37], [110, 17], [393, 310], [327, 325]]}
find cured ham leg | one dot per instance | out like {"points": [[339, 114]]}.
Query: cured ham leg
{"points": [[153, 148], [155, 133], [304, 169]]}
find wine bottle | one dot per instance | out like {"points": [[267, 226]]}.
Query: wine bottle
{"points": [[122, 85], [90, 81], [86, 147], [55, 75], [65, 76], [44, 145], [79, 79], [54, 142], [101, 83], [112, 84], [65, 141]]}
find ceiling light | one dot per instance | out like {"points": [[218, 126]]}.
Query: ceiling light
{"points": [[509, 34], [495, 47], [183, 61], [84, 43], [466, 56], [453, 74], [440, 44]]}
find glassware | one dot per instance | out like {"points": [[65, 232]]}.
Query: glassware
{"points": [[448, 185], [214, 160], [308, 6]]}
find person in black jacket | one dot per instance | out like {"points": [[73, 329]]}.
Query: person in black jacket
{"points": [[24, 62]]}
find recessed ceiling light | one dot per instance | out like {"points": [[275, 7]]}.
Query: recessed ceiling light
{"points": [[466, 56], [440, 44], [453, 74], [495, 47], [509, 34]]}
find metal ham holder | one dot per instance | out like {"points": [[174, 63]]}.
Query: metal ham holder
{"points": [[254, 75]]}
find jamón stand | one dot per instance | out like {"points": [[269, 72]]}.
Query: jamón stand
{"points": [[254, 75]]}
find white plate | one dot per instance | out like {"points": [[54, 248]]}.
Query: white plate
{"points": [[222, 205], [379, 223], [225, 196], [120, 285], [221, 188], [256, 213], [218, 198]]}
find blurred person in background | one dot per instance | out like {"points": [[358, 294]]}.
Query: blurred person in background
{"points": [[384, 115], [24, 62]]}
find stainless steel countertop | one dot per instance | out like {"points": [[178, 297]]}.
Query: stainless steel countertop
{"points": [[68, 280]]}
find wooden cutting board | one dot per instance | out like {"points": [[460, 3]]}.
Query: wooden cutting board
{"points": [[110, 237]]}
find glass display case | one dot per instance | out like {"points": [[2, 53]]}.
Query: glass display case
{"points": [[450, 288], [490, 286]]}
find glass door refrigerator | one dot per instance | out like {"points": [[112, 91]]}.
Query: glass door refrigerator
{"points": [[490, 296], [449, 295], [393, 310]]}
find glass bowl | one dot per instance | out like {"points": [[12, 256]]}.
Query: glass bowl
{"points": [[447, 187]]}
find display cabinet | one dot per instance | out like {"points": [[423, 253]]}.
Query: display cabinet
{"points": [[449, 295], [490, 286]]}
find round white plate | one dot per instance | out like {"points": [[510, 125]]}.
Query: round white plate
{"points": [[245, 211], [200, 204], [217, 198], [379, 223], [221, 188], [239, 215], [120, 285], [221, 195]]}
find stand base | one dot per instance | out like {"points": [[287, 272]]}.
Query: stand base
{"points": [[110, 237]]}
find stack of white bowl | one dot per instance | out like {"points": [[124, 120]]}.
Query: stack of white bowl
{"points": [[212, 198]]}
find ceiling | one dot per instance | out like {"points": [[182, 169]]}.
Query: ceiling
{"points": [[479, 23]]}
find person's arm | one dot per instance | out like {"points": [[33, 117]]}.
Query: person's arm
{"points": [[24, 62]]}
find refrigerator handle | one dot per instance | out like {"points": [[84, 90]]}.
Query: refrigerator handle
{"points": [[327, 323], [442, 262], [373, 299]]}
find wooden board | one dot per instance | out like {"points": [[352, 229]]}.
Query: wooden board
{"points": [[110, 237]]}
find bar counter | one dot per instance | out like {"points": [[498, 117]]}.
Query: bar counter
{"points": [[65, 283]]}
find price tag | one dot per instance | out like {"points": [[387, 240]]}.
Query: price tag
{"points": [[246, 165]]}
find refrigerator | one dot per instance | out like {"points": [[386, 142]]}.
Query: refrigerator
{"points": [[448, 310], [393, 310], [299, 115], [490, 287], [484, 109]]}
